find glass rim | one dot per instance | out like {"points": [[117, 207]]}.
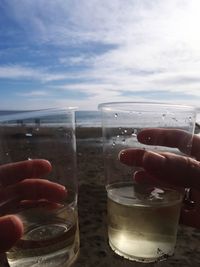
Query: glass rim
{"points": [[178, 196], [40, 109], [121, 105]]}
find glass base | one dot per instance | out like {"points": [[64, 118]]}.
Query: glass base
{"points": [[136, 258], [61, 258]]}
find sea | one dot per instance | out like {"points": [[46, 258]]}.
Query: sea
{"points": [[91, 118], [88, 118]]}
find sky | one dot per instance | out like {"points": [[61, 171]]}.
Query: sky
{"points": [[81, 53]]}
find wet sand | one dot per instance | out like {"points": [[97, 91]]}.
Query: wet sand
{"points": [[94, 250]]}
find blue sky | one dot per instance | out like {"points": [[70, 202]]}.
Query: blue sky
{"points": [[84, 52]]}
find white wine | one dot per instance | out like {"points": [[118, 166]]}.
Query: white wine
{"points": [[142, 228], [51, 238]]}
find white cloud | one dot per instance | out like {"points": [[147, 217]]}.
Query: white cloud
{"points": [[76, 60], [156, 45], [17, 71], [25, 72], [34, 93]]}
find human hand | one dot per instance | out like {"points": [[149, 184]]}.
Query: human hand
{"points": [[167, 169], [21, 184]]}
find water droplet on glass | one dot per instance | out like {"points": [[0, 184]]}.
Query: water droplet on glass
{"points": [[123, 141], [116, 115], [7, 153], [29, 158], [125, 131], [113, 144], [190, 118], [163, 116], [118, 136]]}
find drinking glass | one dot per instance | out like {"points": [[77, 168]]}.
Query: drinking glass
{"points": [[50, 220], [142, 221]]}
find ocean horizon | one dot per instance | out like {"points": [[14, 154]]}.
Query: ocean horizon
{"points": [[90, 118], [83, 118]]}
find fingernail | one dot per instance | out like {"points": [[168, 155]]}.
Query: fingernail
{"points": [[62, 187], [59, 187]]}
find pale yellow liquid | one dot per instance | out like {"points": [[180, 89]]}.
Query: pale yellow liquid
{"points": [[139, 230], [51, 238]]}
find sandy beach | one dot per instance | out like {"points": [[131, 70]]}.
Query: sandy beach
{"points": [[94, 249]]}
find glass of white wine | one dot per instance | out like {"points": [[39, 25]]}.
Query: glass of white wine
{"points": [[142, 220], [51, 233]]}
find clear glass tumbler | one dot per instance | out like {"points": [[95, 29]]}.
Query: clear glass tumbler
{"points": [[142, 220], [50, 218]]}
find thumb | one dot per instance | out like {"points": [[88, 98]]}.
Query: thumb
{"points": [[11, 229]]}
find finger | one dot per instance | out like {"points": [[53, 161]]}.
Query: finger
{"points": [[14, 172], [132, 157], [184, 141], [34, 189], [190, 217], [11, 229], [173, 169], [12, 207], [144, 178], [42, 203], [170, 168]]}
